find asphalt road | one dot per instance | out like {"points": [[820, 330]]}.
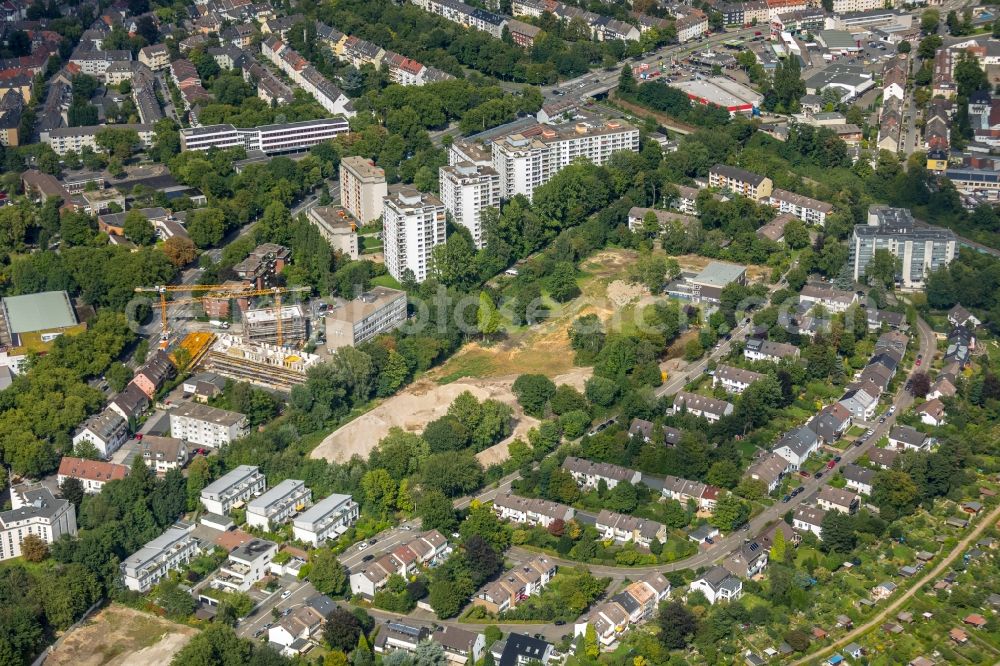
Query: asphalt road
{"points": [[724, 546]]}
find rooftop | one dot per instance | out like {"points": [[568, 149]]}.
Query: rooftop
{"points": [[43, 311]]}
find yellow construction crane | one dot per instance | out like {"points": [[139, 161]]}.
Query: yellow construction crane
{"points": [[215, 291]]}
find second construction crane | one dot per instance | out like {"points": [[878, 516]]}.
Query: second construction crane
{"points": [[215, 291]]}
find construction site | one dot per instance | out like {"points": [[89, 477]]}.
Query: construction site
{"points": [[268, 353]]}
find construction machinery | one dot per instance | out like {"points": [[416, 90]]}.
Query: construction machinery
{"points": [[215, 291]]}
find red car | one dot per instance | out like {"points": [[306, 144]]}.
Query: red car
{"points": [[138, 435], [919, 362], [831, 464]]}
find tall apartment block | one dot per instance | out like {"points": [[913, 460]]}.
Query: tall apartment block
{"points": [[920, 250], [529, 159], [466, 190], [362, 188], [412, 224]]}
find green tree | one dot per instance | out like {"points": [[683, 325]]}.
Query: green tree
{"points": [[730, 513], [626, 81], [894, 493], [724, 474], [487, 316], [677, 625], [207, 227], [436, 511], [326, 573], [882, 268], [533, 393], [119, 143], [342, 630], [562, 284], [380, 490]]}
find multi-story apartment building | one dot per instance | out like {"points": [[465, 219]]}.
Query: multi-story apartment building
{"points": [[36, 512], [278, 504], [376, 311], [806, 209], [413, 223], [64, 139], [235, 487], [96, 63], [155, 56], [766, 350], [921, 250], [207, 426], [92, 474], [107, 431], [362, 188], [467, 15], [269, 139], [852, 6], [466, 191], [531, 158], [170, 551], [326, 519], [691, 27], [337, 227], [298, 69], [749, 184], [531, 511]]}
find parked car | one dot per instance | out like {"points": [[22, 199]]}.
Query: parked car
{"points": [[786, 498], [367, 558], [818, 475], [362, 545], [286, 594]]}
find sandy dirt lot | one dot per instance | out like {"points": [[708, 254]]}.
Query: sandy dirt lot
{"points": [[423, 402], [121, 636]]}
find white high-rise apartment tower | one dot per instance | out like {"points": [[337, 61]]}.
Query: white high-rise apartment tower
{"points": [[466, 190], [412, 224]]}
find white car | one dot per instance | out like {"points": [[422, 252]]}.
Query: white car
{"points": [[286, 594], [362, 545]]}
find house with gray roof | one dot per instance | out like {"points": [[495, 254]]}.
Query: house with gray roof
{"points": [[589, 474], [769, 470], [831, 422], [718, 584], [733, 379], [797, 445], [710, 409], [858, 478], [908, 438]]}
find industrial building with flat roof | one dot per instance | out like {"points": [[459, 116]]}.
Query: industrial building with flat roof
{"points": [[721, 91], [376, 311], [709, 283]]}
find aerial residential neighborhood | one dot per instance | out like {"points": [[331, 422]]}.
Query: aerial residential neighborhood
{"points": [[499, 333]]}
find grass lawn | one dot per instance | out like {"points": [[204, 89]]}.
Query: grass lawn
{"points": [[386, 281]]}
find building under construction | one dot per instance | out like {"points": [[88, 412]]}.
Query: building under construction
{"points": [[261, 364], [262, 325]]}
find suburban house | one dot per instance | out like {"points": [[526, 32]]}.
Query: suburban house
{"points": [[632, 605], [589, 474], [514, 586], [717, 584], [883, 458], [831, 423], [766, 537], [278, 504], [959, 316], [877, 318], [797, 445], [396, 636], [909, 438], [623, 528], [709, 409], [834, 300], [735, 380], [152, 374], [943, 387], [609, 620], [426, 548], [92, 474], [293, 632], [757, 349], [326, 519], [861, 403], [809, 519], [644, 430], [836, 499], [520, 649], [769, 470], [460, 645], [107, 431], [858, 478], [932, 412], [130, 404], [235, 487], [162, 454], [748, 560], [531, 511], [703, 495]]}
